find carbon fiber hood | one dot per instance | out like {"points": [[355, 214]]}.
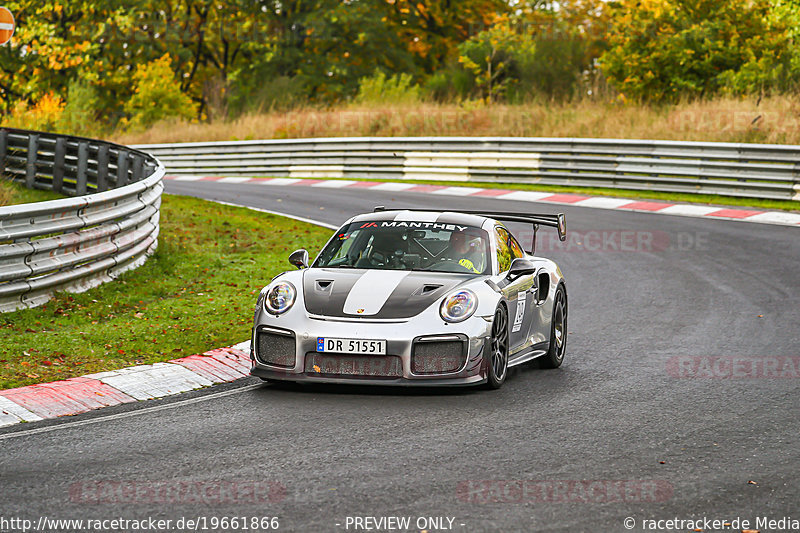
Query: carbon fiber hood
{"points": [[338, 292]]}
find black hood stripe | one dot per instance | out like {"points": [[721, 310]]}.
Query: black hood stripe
{"points": [[325, 291]]}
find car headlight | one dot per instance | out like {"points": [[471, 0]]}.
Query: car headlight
{"points": [[280, 297], [459, 306]]}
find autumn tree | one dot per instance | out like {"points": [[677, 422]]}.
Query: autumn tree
{"points": [[662, 50], [433, 29]]}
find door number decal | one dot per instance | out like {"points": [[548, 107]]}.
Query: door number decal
{"points": [[519, 317]]}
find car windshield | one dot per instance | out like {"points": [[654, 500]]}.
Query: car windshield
{"points": [[408, 245]]}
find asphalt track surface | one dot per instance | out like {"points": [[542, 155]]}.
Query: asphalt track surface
{"points": [[687, 445]]}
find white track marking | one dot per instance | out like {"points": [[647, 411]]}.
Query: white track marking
{"points": [[525, 196], [603, 203], [392, 187], [457, 191], [371, 291], [688, 210], [145, 410], [145, 382], [334, 184], [234, 180], [187, 178], [278, 181], [775, 217], [13, 413], [242, 346]]}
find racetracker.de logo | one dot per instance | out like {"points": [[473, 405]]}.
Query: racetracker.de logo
{"points": [[734, 367], [564, 491], [616, 240]]}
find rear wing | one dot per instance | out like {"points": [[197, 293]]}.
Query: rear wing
{"points": [[558, 221]]}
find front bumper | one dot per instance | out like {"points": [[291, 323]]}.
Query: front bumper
{"points": [[402, 337]]}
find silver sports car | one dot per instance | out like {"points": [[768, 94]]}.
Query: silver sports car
{"points": [[414, 297]]}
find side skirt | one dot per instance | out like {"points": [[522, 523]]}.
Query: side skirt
{"points": [[528, 354]]}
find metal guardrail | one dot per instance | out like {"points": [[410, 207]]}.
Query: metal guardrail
{"points": [[110, 226], [747, 170]]}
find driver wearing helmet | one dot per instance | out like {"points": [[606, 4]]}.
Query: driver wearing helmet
{"points": [[467, 250]]}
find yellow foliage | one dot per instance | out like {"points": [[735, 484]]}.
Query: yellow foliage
{"points": [[44, 115]]}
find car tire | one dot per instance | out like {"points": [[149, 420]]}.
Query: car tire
{"points": [[498, 344], [558, 331]]}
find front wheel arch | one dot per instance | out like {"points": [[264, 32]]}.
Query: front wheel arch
{"points": [[496, 374], [557, 349]]}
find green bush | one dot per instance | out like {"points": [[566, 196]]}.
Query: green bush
{"points": [[450, 83], [494, 58], [157, 96], [81, 112], [555, 69], [378, 89], [259, 93], [515, 61]]}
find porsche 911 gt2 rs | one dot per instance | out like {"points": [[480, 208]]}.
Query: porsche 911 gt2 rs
{"points": [[414, 297]]}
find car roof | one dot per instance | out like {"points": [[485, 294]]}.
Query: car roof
{"points": [[440, 217]]}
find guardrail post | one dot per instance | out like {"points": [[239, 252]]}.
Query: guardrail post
{"points": [[58, 164], [102, 168], [30, 167], [138, 167], [122, 168], [83, 162], [3, 145]]}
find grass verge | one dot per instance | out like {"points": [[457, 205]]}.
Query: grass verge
{"points": [[196, 293], [12, 193]]}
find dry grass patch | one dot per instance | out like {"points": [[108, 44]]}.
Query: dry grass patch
{"points": [[769, 120]]}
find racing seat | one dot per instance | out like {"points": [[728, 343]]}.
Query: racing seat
{"points": [[387, 249]]}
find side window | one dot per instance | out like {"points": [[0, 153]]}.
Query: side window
{"points": [[516, 249], [504, 253], [342, 252]]}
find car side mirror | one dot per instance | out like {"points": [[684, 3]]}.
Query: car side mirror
{"points": [[520, 267], [299, 258]]}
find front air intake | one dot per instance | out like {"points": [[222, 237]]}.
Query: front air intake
{"points": [[356, 366], [437, 356], [275, 348]]}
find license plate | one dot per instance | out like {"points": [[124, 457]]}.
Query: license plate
{"points": [[351, 346]]}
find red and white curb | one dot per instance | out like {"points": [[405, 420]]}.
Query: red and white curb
{"points": [[144, 382], [599, 202]]}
